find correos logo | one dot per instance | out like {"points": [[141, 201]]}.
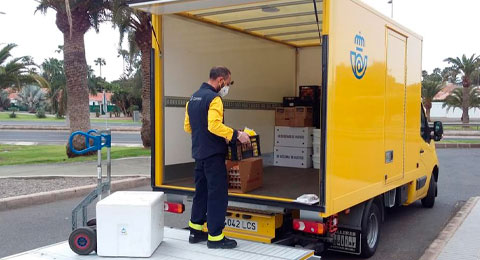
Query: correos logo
{"points": [[358, 59]]}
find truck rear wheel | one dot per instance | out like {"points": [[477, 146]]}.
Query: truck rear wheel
{"points": [[429, 200], [370, 230]]}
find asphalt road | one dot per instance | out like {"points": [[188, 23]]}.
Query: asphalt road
{"points": [[60, 137], [406, 233]]}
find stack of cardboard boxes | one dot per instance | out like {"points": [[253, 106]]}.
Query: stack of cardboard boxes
{"points": [[294, 128]]}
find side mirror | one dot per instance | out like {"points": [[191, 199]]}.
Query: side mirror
{"points": [[437, 131]]}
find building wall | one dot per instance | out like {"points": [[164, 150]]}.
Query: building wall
{"points": [[438, 112]]}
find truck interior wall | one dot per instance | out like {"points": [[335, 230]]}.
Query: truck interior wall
{"points": [[263, 71], [309, 71]]}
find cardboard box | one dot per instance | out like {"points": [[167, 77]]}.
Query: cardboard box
{"points": [[294, 136], [245, 175], [303, 117], [130, 223], [284, 116], [292, 157]]}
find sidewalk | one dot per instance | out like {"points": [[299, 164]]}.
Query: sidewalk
{"points": [[460, 239], [137, 166]]}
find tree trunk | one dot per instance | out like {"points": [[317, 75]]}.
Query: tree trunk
{"points": [[75, 65], [144, 40], [465, 106], [428, 107]]}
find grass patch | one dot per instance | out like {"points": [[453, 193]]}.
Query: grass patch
{"points": [[17, 154], [459, 142], [461, 128], [4, 116]]}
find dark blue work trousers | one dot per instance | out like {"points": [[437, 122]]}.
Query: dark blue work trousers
{"points": [[211, 194]]}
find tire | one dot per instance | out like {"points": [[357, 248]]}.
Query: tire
{"points": [[83, 240], [92, 222], [370, 231], [429, 200]]}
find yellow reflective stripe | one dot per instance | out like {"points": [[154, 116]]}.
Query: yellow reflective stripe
{"points": [[216, 238], [215, 120], [186, 124], [195, 226]]}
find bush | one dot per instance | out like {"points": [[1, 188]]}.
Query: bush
{"points": [[41, 113], [13, 110]]}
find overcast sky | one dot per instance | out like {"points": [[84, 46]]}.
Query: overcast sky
{"points": [[449, 28]]}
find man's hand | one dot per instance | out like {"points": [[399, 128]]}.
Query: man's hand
{"points": [[243, 137]]}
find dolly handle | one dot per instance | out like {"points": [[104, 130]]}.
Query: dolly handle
{"points": [[99, 141]]}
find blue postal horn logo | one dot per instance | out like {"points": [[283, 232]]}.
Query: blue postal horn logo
{"points": [[357, 57]]}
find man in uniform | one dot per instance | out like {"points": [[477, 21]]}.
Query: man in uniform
{"points": [[204, 121]]}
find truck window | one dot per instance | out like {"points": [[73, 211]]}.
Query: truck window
{"points": [[424, 128]]}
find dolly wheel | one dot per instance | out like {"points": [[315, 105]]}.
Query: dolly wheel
{"points": [[83, 240], [92, 222]]}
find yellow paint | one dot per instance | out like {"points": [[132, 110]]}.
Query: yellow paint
{"points": [[381, 111], [307, 256], [159, 135], [267, 224]]}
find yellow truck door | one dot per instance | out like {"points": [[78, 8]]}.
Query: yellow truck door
{"points": [[395, 89]]}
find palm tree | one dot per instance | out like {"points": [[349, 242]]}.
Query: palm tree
{"points": [[431, 85], [14, 72], [4, 100], [100, 62], [449, 74], [136, 24], [52, 71], [74, 18], [466, 66], [455, 99]]}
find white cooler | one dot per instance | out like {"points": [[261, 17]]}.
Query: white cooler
{"points": [[130, 224]]}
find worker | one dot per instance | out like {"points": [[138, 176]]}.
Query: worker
{"points": [[204, 121]]}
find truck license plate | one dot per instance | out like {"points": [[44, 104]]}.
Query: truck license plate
{"points": [[346, 240], [241, 224]]}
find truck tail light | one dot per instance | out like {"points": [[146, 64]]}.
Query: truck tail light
{"points": [[174, 207], [312, 227]]}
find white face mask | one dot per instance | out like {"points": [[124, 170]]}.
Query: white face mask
{"points": [[224, 91]]}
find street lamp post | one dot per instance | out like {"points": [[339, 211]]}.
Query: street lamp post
{"points": [[391, 2]]}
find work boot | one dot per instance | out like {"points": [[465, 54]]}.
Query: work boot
{"points": [[225, 243], [197, 236]]}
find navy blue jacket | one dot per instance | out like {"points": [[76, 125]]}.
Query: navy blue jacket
{"points": [[204, 143]]}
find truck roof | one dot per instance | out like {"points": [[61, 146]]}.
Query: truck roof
{"points": [[290, 22]]}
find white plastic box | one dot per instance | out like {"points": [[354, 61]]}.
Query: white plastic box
{"points": [[292, 157], [130, 224], [293, 136]]}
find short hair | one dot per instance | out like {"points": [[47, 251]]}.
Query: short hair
{"points": [[219, 71]]}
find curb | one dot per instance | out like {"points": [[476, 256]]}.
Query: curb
{"points": [[436, 247], [52, 196], [456, 145], [62, 128]]}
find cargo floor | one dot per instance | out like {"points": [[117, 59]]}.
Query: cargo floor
{"points": [[277, 182]]}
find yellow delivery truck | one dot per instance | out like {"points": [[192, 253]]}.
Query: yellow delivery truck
{"points": [[377, 149]]}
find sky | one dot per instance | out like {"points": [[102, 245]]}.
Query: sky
{"points": [[449, 29]]}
